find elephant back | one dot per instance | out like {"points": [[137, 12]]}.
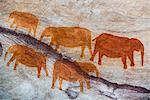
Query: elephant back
{"points": [[112, 43], [72, 36]]}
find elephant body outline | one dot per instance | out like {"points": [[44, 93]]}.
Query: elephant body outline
{"points": [[115, 47]]}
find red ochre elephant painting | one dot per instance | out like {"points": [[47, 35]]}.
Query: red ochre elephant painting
{"points": [[69, 37], [25, 20], [117, 47]]}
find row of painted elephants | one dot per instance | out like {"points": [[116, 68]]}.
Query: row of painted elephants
{"points": [[105, 44]]}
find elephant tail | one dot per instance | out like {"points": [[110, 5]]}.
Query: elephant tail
{"points": [[101, 35], [142, 56], [95, 38]]}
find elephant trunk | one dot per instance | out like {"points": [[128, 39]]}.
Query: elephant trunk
{"points": [[142, 56]]}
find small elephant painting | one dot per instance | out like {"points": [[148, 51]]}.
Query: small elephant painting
{"points": [[74, 49]]}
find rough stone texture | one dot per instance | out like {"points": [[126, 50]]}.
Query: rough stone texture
{"points": [[130, 18]]}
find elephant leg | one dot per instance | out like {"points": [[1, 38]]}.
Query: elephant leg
{"points": [[41, 37], [93, 55], [15, 66], [82, 51], [34, 31], [90, 49], [57, 47], [97, 73], [54, 80], [11, 60], [124, 61], [60, 83], [100, 57], [88, 84], [81, 86], [46, 71], [130, 55], [39, 72]]}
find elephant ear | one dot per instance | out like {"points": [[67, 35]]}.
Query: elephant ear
{"points": [[135, 44]]}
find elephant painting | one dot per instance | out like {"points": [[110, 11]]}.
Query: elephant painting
{"points": [[27, 56], [25, 20], [117, 47], [64, 70], [69, 37]]}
